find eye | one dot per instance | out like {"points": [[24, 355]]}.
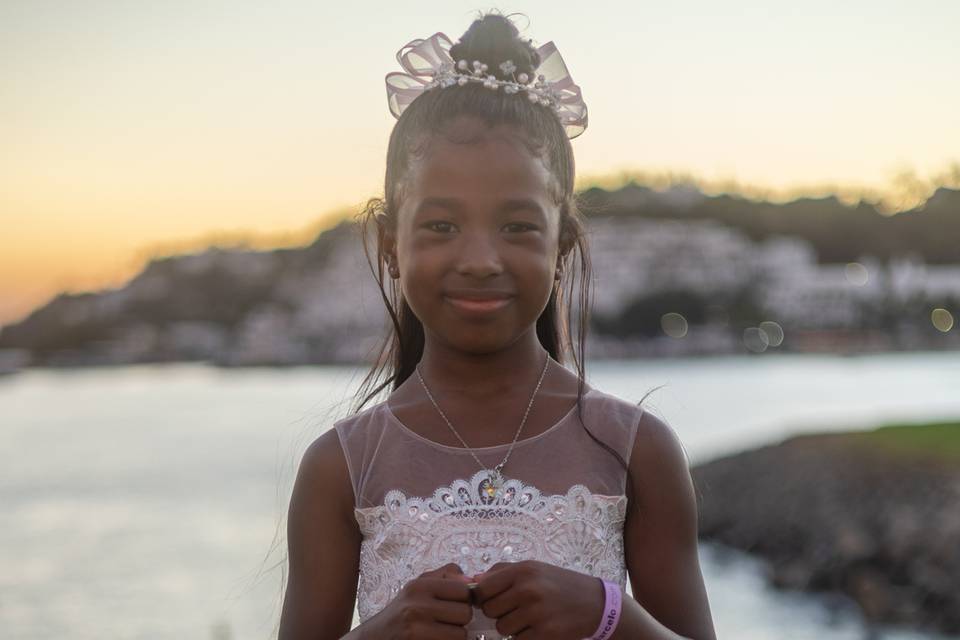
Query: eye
{"points": [[440, 226], [517, 227]]}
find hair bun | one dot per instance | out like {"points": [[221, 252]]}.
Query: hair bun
{"points": [[494, 39]]}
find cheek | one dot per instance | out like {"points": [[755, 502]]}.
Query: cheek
{"points": [[420, 258], [421, 274], [535, 275]]}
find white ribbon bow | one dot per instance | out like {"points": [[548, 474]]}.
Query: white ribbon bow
{"points": [[422, 59]]}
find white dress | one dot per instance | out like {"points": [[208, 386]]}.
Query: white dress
{"points": [[419, 504]]}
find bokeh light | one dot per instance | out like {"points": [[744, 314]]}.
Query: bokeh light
{"points": [[856, 274], [674, 325], [773, 331], [942, 319], [755, 339]]}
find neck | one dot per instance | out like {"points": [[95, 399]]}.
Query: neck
{"points": [[481, 376]]}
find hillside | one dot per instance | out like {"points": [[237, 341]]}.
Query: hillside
{"points": [[726, 271], [838, 232]]}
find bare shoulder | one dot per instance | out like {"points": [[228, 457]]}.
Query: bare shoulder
{"points": [[657, 450], [323, 545], [324, 454], [663, 492], [326, 461], [660, 533], [323, 478]]}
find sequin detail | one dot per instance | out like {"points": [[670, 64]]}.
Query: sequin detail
{"points": [[462, 523]]}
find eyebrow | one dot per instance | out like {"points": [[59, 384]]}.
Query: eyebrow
{"points": [[506, 206]]}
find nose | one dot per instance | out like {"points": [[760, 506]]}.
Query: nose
{"points": [[479, 256]]}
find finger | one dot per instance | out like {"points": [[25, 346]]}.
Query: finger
{"points": [[493, 582], [501, 604], [447, 589], [450, 567], [455, 613], [497, 566], [453, 571], [515, 622]]}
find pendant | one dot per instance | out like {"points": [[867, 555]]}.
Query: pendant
{"points": [[494, 483]]}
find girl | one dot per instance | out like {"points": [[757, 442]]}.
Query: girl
{"points": [[493, 493]]}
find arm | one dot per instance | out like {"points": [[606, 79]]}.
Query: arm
{"points": [[660, 548], [660, 543], [323, 543]]}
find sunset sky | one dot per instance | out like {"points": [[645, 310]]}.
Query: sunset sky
{"points": [[133, 127]]}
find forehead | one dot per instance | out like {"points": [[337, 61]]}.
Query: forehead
{"points": [[494, 165]]}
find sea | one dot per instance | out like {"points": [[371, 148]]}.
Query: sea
{"points": [[148, 502]]}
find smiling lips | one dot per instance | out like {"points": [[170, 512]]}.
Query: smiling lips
{"points": [[478, 301]]}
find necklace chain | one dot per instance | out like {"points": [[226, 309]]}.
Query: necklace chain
{"points": [[497, 477]]}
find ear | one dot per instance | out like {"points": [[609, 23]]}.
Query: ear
{"points": [[565, 245], [387, 245]]}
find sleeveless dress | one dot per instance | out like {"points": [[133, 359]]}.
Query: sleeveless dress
{"points": [[419, 504]]}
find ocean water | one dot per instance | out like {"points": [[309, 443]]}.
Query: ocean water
{"points": [[148, 502]]}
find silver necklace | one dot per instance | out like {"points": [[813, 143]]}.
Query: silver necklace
{"points": [[494, 481]]}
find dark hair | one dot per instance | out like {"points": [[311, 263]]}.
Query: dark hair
{"points": [[492, 39]]}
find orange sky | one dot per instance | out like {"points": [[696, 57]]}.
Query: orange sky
{"points": [[129, 126]]}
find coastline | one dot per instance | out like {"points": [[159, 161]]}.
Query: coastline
{"points": [[874, 515]]}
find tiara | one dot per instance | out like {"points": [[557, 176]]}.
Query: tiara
{"points": [[428, 65]]}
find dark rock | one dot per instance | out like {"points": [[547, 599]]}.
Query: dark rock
{"points": [[837, 513]]}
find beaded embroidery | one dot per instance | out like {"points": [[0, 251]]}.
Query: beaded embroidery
{"points": [[406, 536]]}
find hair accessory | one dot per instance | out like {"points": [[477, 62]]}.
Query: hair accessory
{"points": [[428, 65], [613, 603]]}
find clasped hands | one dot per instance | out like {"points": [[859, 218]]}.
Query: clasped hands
{"points": [[542, 600]]}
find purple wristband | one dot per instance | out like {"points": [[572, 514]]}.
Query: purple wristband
{"points": [[611, 611]]}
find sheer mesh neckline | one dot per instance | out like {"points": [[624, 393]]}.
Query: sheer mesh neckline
{"points": [[454, 449]]}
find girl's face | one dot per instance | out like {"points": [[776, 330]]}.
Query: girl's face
{"points": [[477, 241]]}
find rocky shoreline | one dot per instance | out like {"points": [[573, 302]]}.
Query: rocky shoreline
{"points": [[874, 515]]}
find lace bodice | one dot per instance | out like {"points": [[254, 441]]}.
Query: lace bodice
{"points": [[408, 530]]}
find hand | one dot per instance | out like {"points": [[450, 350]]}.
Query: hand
{"points": [[544, 600], [433, 606]]}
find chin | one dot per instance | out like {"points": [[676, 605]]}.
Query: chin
{"points": [[479, 342]]}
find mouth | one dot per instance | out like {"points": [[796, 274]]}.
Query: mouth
{"points": [[475, 305]]}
